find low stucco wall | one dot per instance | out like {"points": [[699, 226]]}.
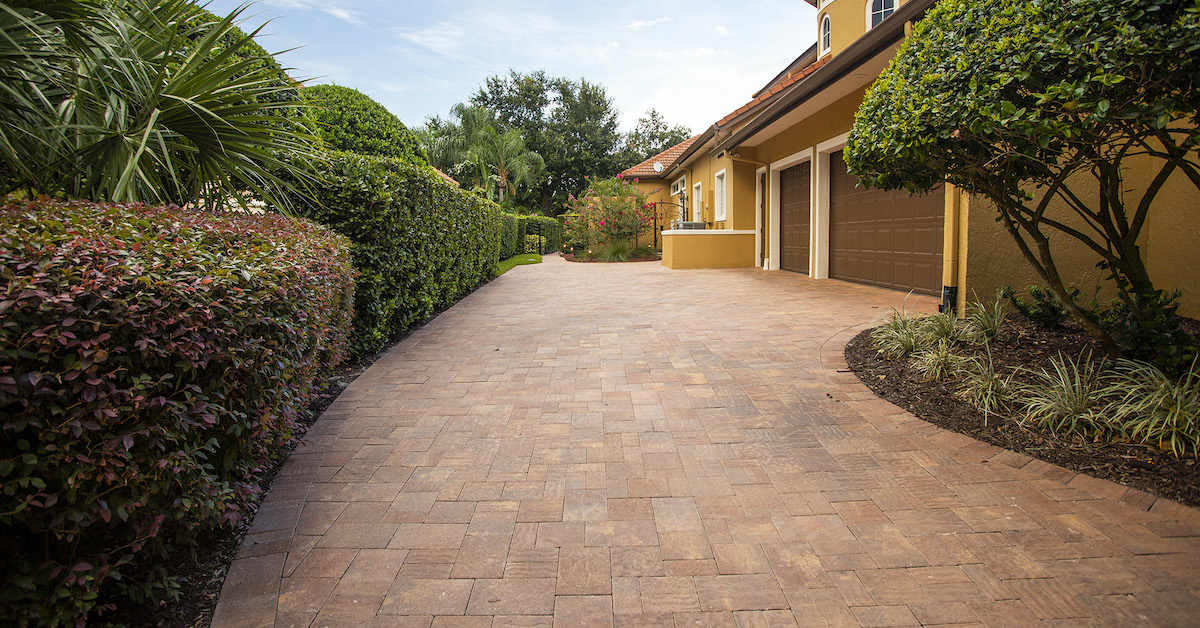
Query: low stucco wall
{"points": [[708, 248]]}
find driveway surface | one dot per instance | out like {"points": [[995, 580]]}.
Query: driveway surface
{"points": [[621, 444]]}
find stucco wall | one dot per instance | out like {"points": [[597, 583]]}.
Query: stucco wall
{"points": [[829, 122], [848, 22], [1170, 245]]}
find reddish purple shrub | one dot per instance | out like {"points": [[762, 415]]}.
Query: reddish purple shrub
{"points": [[152, 361]]}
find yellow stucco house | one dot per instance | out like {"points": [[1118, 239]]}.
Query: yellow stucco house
{"points": [[766, 187]]}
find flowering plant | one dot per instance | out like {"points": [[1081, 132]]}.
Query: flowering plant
{"points": [[608, 212]]}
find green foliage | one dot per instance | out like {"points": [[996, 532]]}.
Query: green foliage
{"points": [[943, 326], [154, 362], [132, 100], [1044, 308], [419, 243], [549, 228], [1151, 407], [983, 321], [510, 235], [651, 136], [517, 260], [899, 336], [618, 251], [938, 362], [348, 120], [983, 388], [1068, 398], [1041, 107], [1150, 330], [572, 124], [608, 212], [535, 244]]}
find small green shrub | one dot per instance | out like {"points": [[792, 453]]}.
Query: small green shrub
{"points": [[1043, 308], [615, 252], [1068, 399], [419, 242], [1156, 336], [900, 335], [1152, 407], [154, 362], [983, 322], [941, 326], [534, 244], [983, 388], [938, 362]]}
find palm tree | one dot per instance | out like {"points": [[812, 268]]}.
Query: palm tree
{"points": [[141, 100], [505, 156]]}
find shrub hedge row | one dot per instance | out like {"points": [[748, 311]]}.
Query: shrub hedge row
{"points": [[419, 243], [154, 361], [517, 228]]}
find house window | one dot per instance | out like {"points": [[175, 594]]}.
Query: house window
{"points": [[719, 196], [679, 185], [826, 34], [697, 207], [878, 11]]}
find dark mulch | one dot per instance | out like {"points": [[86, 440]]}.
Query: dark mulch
{"points": [[1025, 344], [570, 257]]}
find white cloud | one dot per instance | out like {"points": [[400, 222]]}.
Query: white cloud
{"points": [[638, 25], [721, 30], [443, 38], [335, 9]]}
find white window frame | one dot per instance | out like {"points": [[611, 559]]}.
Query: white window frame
{"points": [[827, 33], [885, 11], [720, 190], [679, 185], [697, 206]]}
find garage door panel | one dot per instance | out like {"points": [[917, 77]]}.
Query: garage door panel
{"points": [[882, 238], [794, 209]]}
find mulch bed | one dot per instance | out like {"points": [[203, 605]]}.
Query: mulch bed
{"points": [[570, 257], [1026, 344]]}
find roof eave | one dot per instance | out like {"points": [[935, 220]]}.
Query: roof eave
{"points": [[864, 48]]}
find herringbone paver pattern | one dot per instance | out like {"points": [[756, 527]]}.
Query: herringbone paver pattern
{"points": [[623, 445]]}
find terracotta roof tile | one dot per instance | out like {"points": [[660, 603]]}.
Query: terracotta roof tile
{"points": [[667, 157], [792, 79]]}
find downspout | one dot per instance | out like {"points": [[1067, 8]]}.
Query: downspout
{"points": [[950, 250]]}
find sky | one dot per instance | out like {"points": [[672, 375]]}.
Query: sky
{"points": [[694, 61]]}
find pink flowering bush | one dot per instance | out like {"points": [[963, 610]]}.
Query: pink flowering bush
{"points": [[610, 211]]}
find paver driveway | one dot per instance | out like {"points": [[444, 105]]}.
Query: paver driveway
{"points": [[586, 444]]}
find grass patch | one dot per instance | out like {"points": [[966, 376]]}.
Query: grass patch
{"points": [[517, 260]]}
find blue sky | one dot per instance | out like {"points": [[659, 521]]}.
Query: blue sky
{"points": [[694, 61]]}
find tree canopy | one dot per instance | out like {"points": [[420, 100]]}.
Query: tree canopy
{"points": [[571, 123], [651, 136], [347, 119], [1041, 106]]}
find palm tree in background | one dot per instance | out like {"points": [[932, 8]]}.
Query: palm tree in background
{"points": [[504, 155], [142, 100]]}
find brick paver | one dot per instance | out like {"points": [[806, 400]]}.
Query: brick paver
{"points": [[623, 445]]}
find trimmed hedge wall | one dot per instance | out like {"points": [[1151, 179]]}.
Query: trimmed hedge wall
{"points": [[510, 236], [154, 360], [419, 242], [547, 227]]}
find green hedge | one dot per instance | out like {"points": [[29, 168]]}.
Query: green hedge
{"points": [[510, 237], [154, 361], [547, 227], [534, 243], [419, 242]]}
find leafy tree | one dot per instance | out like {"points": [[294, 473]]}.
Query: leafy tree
{"points": [[504, 156], [571, 124], [1042, 104], [140, 100], [448, 142], [651, 136], [349, 120]]}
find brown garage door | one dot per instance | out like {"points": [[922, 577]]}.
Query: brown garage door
{"points": [[889, 239], [793, 216]]}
